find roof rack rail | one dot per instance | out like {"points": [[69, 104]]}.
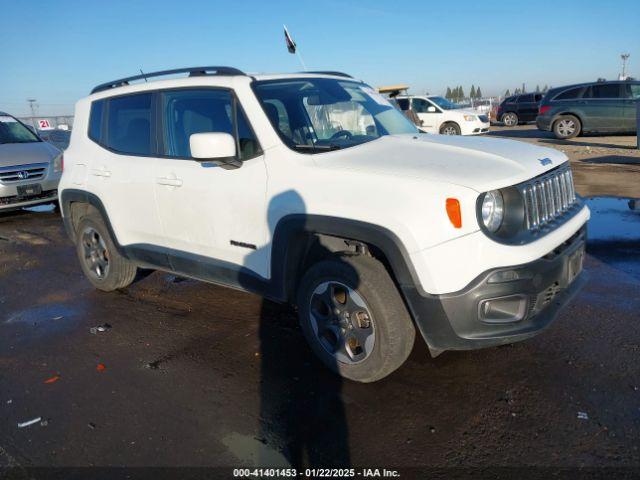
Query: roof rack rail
{"points": [[330, 72], [192, 71]]}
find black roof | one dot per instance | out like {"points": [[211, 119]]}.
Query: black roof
{"points": [[192, 71]]}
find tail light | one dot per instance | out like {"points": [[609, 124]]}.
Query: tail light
{"points": [[543, 109]]}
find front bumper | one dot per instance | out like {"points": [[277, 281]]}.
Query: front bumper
{"points": [[453, 321], [10, 200], [475, 128]]}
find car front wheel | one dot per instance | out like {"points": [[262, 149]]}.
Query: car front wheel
{"points": [[353, 317], [449, 128], [567, 126]]}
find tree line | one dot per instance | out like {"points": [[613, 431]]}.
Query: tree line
{"points": [[457, 93], [518, 91]]}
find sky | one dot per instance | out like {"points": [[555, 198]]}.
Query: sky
{"points": [[57, 51]]}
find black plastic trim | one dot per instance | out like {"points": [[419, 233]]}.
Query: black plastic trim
{"points": [[192, 71]]}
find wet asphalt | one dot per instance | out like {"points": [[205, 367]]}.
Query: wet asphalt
{"points": [[197, 375]]}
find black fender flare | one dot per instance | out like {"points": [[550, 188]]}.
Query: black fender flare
{"points": [[69, 196], [284, 250]]}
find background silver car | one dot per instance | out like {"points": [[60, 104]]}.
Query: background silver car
{"points": [[30, 168]]}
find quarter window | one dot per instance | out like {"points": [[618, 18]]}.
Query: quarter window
{"points": [[570, 94], [95, 120], [186, 112], [525, 99], [129, 124], [403, 103]]}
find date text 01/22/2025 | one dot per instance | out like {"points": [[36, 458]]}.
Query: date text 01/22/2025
{"points": [[310, 473]]}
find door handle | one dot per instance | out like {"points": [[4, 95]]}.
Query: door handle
{"points": [[100, 172], [171, 182]]}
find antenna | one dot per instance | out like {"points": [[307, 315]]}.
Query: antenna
{"points": [[145, 77]]}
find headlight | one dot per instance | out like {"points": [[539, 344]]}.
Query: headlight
{"points": [[492, 210], [470, 118], [58, 164]]}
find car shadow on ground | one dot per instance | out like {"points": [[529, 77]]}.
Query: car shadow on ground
{"points": [[520, 133], [582, 142], [615, 159]]}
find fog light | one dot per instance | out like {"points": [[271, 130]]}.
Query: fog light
{"points": [[512, 308], [509, 276]]}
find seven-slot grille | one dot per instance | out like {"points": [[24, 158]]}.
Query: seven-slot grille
{"points": [[18, 173], [548, 197]]}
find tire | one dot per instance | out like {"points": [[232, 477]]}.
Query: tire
{"points": [[361, 286], [510, 119], [449, 128], [99, 259], [567, 126]]}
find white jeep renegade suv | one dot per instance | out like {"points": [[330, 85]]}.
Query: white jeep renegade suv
{"points": [[312, 189]]}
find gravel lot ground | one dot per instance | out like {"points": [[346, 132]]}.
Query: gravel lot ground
{"points": [[198, 375]]}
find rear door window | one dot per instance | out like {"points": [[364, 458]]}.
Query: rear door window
{"points": [[610, 90], [129, 128]]}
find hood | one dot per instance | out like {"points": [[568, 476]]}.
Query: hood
{"points": [[479, 163], [25, 153]]}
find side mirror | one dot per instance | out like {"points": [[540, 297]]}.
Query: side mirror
{"points": [[215, 147], [431, 109]]}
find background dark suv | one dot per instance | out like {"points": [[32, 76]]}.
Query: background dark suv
{"points": [[518, 109], [590, 107]]}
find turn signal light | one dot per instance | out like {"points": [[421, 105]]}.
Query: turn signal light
{"points": [[543, 109], [453, 211]]}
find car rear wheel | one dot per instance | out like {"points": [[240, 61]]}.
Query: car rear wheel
{"points": [[449, 128], [510, 119], [567, 126], [101, 263], [353, 317]]}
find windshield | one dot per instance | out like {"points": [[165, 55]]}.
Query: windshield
{"points": [[318, 114], [12, 131], [444, 103]]}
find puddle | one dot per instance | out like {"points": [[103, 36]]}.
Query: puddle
{"points": [[44, 319], [614, 233], [251, 451], [42, 208], [612, 219]]}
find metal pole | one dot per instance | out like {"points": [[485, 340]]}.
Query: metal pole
{"points": [[32, 102], [638, 123]]}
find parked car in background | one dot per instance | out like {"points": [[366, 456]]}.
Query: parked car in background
{"points": [[519, 109], [596, 107], [30, 168], [439, 115], [57, 137]]}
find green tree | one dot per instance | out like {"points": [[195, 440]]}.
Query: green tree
{"points": [[472, 94], [537, 88], [478, 93], [448, 94], [545, 89], [507, 93], [461, 93]]}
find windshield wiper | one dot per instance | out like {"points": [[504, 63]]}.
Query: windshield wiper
{"points": [[324, 148]]}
